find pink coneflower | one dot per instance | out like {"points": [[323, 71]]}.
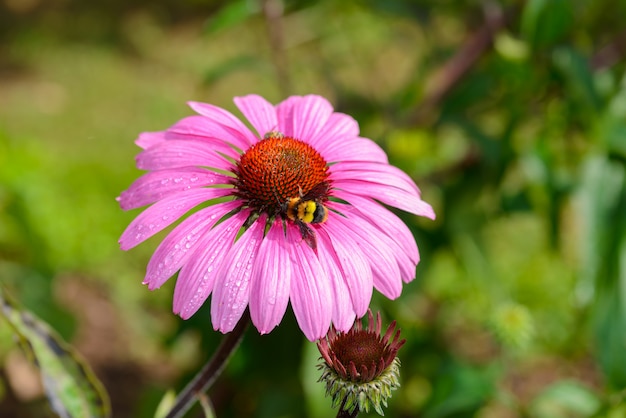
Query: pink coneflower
{"points": [[289, 214]]}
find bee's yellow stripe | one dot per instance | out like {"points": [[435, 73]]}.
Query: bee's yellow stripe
{"points": [[306, 210]]}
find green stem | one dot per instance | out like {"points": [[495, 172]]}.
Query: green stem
{"points": [[209, 373]]}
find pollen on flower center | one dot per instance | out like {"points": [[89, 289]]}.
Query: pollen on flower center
{"points": [[276, 169]]}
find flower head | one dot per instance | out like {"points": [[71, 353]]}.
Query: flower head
{"points": [[360, 367], [288, 214]]}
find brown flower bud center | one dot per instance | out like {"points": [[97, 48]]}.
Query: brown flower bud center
{"points": [[361, 348]]}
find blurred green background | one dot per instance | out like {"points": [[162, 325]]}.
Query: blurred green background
{"points": [[510, 115]]}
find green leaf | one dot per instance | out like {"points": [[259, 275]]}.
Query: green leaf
{"points": [[71, 387], [602, 200], [231, 15], [578, 77], [612, 124], [565, 399], [166, 404], [545, 22]]}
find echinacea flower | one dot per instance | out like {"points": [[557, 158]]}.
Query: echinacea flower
{"points": [[361, 367], [290, 213]]}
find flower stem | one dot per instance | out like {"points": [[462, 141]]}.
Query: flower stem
{"points": [[209, 373]]}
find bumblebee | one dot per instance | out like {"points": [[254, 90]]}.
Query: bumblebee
{"points": [[308, 209], [274, 134]]}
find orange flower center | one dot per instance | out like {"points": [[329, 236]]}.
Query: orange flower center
{"points": [[277, 169]]}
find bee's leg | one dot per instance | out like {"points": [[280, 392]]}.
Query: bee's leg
{"points": [[308, 235]]}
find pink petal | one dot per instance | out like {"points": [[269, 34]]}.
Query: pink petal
{"points": [[203, 128], [260, 113], [376, 249], [309, 117], [164, 213], [157, 185], [338, 128], [227, 120], [271, 277], [375, 173], [150, 139], [390, 228], [343, 311], [396, 237], [310, 293], [394, 263], [353, 149], [183, 242], [407, 268], [386, 221], [232, 290], [284, 114], [183, 153], [389, 195], [197, 278], [356, 268]]}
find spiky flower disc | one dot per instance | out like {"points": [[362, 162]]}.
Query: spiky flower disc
{"points": [[360, 366]]}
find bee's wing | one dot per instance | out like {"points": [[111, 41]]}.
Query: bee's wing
{"points": [[318, 191]]}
